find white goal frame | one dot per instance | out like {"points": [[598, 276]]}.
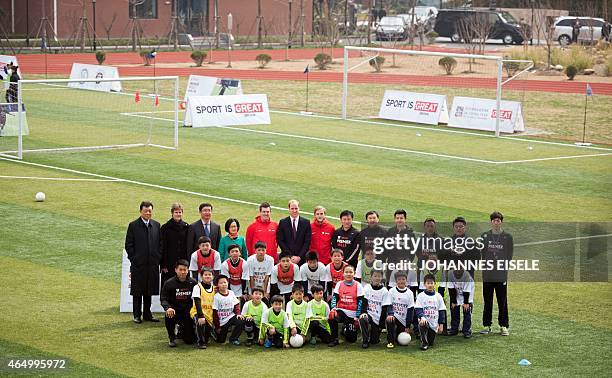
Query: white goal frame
{"points": [[175, 99], [498, 59]]}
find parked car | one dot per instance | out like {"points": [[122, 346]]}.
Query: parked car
{"points": [[589, 31], [391, 27], [503, 26]]}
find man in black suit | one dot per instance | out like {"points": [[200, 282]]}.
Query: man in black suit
{"points": [[293, 234], [205, 227], [143, 247]]}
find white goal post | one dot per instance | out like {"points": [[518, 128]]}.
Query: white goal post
{"points": [[89, 119], [497, 73]]}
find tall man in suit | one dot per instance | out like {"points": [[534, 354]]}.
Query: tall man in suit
{"points": [[143, 247], [205, 227], [293, 234]]}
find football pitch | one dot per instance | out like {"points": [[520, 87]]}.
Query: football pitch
{"points": [[62, 257]]}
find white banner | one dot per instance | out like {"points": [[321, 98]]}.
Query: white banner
{"points": [[424, 108], [211, 86], [238, 110], [92, 71], [125, 304], [479, 114], [9, 120]]}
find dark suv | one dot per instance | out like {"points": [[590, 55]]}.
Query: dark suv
{"points": [[503, 25]]}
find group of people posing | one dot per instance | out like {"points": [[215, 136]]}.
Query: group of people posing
{"points": [[215, 286]]}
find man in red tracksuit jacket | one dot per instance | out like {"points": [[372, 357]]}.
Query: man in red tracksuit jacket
{"points": [[263, 229], [322, 232]]}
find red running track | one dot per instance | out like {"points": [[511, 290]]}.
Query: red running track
{"points": [[62, 63]]}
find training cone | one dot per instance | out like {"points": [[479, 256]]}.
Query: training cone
{"points": [[524, 362]]}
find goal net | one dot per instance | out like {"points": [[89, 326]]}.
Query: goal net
{"points": [[63, 115], [368, 73]]}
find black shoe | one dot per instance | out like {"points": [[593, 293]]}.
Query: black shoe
{"points": [[452, 333], [333, 343], [137, 320], [172, 344], [365, 345], [468, 335], [151, 319], [249, 343], [201, 346], [424, 347]]}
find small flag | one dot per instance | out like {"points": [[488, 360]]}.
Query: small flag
{"points": [[589, 90], [156, 100], [307, 69], [137, 99]]}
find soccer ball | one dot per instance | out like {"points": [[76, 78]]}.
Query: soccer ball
{"points": [[40, 197], [403, 338], [296, 341], [183, 105]]}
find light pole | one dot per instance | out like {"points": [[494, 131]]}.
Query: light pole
{"points": [[94, 24], [28, 23], [230, 20]]}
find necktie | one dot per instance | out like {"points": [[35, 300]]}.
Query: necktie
{"points": [[206, 229], [294, 228]]}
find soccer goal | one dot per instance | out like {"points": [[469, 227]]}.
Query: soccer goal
{"points": [[474, 79], [67, 115]]}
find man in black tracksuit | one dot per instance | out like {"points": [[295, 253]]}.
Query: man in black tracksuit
{"points": [[498, 246], [347, 238], [176, 300]]}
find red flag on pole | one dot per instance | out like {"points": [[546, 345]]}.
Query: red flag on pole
{"points": [[156, 100], [137, 99]]}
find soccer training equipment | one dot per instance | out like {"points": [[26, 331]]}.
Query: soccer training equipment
{"points": [[403, 338], [40, 197], [63, 117], [296, 341]]}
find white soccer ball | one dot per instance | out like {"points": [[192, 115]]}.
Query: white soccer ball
{"points": [[418, 134], [296, 341], [403, 338], [40, 197]]}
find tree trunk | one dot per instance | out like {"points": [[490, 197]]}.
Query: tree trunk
{"points": [[259, 25]]}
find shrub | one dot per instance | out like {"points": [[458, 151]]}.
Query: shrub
{"points": [[146, 57], [431, 36], [322, 60], [571, 72], [575, 56], [608, 66], [198, 57], [263, 60], [448, 63], [100, 56], [377, 62], [512, 68]]}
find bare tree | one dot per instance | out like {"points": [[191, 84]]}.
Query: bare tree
{"points": [[474, 30], [108, 26], [545, 28], [136, 31]]}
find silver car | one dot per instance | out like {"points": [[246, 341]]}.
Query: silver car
{"points": [[590, 29], [391, 27]]}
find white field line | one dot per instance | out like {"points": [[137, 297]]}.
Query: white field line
{"points": [[562, 240], [359, 144], [443, 130], [55, 178], [162, 187], [553, 158], [143, 115]]}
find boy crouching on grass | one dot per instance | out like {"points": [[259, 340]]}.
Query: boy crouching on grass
{"points": [[275, 325], [431, 312], [317, 313], [253, 311]]}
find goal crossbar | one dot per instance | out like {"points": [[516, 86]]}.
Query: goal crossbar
{"points": [[497, 59], [20, 110]]}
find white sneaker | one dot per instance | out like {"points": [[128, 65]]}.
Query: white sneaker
{"points": [[504, 331], [485, 331]]}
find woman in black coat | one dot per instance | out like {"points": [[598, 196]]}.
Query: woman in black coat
{"points": [[175, 234]]}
